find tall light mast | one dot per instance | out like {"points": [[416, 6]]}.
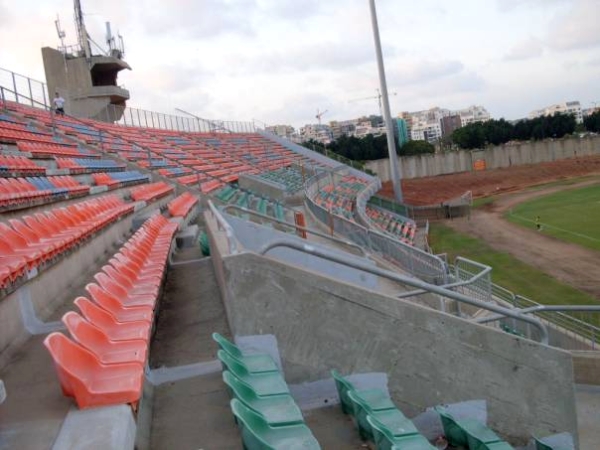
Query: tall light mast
{"points": [[82, 35]]}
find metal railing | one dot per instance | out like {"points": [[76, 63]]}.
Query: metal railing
{"points": [[224, 225], [409, 281], [22, 89], [135, 117], [415, 261], [356, 248]]}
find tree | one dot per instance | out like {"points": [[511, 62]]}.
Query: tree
{"points": [[416, 148], [592, 122], [470, 136]]}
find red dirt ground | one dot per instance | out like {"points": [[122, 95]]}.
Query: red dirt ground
{"points": [[569, 263], [433, 190]]}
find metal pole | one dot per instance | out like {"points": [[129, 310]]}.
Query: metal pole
{"points": [[15, 87], [30, 91], [394, 168]]}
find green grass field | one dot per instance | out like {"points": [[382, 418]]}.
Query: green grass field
{"points": [[508, 271], [571, 215]]}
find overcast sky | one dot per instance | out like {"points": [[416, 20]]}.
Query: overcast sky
{"points": [[279, 60]]}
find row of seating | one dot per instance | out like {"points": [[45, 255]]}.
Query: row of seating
{"points": [[115, 180], [151, 192], [35, 240], [86, 165], [19, 165], [17, 192], [104, 361], [470, 433], [377, 418], [388, 222], [39, 150], [266, 413], [182, 205], [292, 179]]}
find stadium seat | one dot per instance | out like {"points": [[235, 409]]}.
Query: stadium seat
{"points": [[96, 341], [115, 307], [366, 402], [254, 363], [386, 440], [469, 433], [91, 383], [263, 384], [116, 331], [276, 410], [257, 434], [391, 418], [125, 298]]}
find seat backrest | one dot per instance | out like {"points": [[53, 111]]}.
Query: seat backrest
{"points": [[226, 345], [342, 384], [232, 364], [94, 313], [110, 285], [241, 390], [379, 427], [117, 276], [539, 445], [24, 230], [71, 357], [88, 335], [103, 298], [250, 419]]}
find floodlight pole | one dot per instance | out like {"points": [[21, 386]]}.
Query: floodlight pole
{"points": [[394, 167]]}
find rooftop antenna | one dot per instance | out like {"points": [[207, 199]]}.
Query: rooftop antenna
{"points": [[319, 115], [82, 35], [60, 32]]}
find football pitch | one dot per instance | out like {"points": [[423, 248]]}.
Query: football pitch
{"points": [[571, 215]]}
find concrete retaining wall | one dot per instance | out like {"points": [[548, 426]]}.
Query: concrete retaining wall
{"points": [[430, 357], [587, 367], [532, 152]]}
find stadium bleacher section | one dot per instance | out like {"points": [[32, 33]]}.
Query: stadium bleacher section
{"points": [[105, 359]]}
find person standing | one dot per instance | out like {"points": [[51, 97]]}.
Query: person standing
{"points": [[59, 104], [538, 224]]}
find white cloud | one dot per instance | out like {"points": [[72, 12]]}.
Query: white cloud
{"points": [[529, 48], [578, 28]]}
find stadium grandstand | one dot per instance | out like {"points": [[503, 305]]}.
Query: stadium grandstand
{"points": [[158, 282]]}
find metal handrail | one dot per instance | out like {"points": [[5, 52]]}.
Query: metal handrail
{"points": [[541, 308], [225, 225], [297, 227], [359, 265]]}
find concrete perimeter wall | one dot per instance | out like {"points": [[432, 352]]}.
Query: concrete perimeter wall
{"points": [[531, 152], [429, 357]]}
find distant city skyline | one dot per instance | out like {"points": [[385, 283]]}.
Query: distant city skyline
{"points": [[278, 61]]}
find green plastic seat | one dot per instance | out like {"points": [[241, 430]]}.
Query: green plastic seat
{"points": [[343, 386], [395, 422], [367, 402], [276, 410], [539, 445], [263, 384], [385, 439], [254, 363], [466, 432], [257, 434], [500, 445]]}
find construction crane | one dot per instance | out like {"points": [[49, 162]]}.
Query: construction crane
{"points": [[319, 115], [373, 97]]}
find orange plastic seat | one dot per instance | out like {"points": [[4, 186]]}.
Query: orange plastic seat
{"points": [[96, 341], [116, 308], [133, 286], [115, 330], [91, 383], [127, 299]]}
